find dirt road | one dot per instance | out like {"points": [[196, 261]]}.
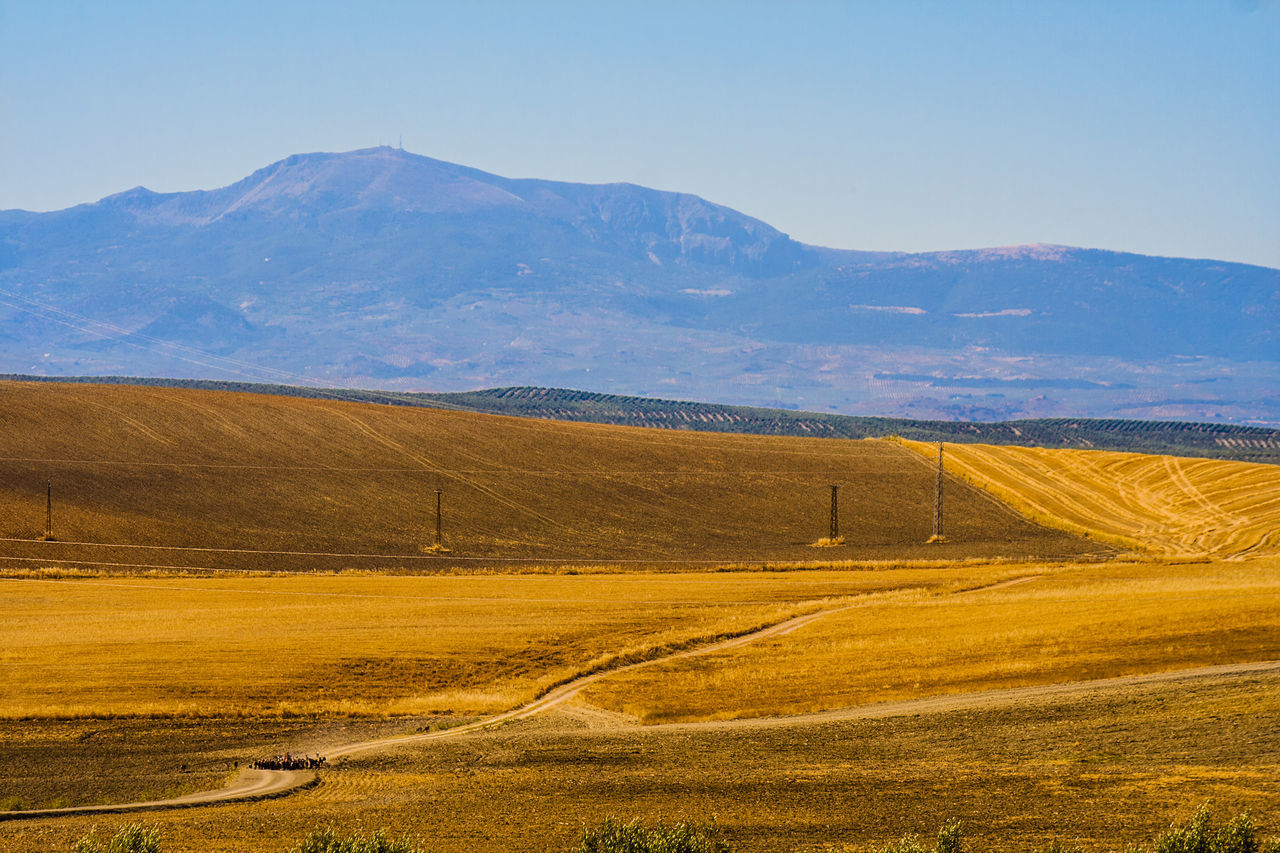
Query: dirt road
{"points": [[249, 785], [261, 784]]}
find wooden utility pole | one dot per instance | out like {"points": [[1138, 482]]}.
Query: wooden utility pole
{"points": [[835, 513], [48, 511], [937, 499], [439, 525]]}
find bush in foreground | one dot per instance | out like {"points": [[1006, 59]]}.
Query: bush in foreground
{"points": [[614, 836], [130, 838], [327, 840], [950, 840], [1198, 835]]}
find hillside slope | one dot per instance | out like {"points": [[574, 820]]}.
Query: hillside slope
{"points": [[1177, 438], [203, 469], [1168, 506]]}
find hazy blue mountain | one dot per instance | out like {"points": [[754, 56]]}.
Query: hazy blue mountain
{"points": [[380, 267]]}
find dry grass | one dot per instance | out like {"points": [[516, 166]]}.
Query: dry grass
{"points": [[369, 645], [54, 763], [1070, 624], [1103, 770], [176, 467], [137, 678], [1166, 505], [1096, 769]]}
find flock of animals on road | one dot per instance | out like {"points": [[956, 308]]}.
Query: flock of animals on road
{"points": [[290, 762]]}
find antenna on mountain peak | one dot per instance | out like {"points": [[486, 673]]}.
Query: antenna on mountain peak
{"points": [[402, 142]]}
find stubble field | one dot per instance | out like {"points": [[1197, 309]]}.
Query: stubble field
{"points": [[378, 645], [147, 474], [1106, 760], [916, 692], [1163, 505], [1059, 624]]}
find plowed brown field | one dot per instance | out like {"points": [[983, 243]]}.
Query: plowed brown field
{"points": [[353, 485]]}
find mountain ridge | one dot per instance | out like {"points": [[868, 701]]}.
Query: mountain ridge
{"points": [[382, 267]]}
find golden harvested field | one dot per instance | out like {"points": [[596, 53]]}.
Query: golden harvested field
{"points": [[1103, 762], [1103, 769], [1166, 505], [339, 644], [1068, 624], [130, 681], [353, 486]]}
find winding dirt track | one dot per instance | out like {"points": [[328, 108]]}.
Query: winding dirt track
{"points": [[990, 698], [250, 785], [263, 784]]}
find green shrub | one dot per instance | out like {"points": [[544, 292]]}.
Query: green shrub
{"points": [[614, 836], [327, 840], [949, 840], [1236, 836], [1199, 835], [130, 838], [12, 804]]}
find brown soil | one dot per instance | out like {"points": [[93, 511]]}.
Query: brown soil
{"points": [[141, 473]]}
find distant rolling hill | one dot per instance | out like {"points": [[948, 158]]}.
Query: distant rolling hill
{"points": [[153, 476], [381, 268], [1177, 438]]}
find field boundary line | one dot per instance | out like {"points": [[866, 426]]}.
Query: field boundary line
{"points": [[561, 693]]}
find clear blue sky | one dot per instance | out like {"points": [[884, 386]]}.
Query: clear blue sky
{"points": [[1146, 126]]}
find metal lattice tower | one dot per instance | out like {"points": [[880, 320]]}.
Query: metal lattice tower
{"points": [[48, 510]]}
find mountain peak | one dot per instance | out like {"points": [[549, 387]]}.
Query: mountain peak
{"points": [[138, 193], [382, 178], [382, 264], [388, 183]]}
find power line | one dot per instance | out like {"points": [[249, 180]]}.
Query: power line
{"points": [[450, 558], [540, 472]]}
